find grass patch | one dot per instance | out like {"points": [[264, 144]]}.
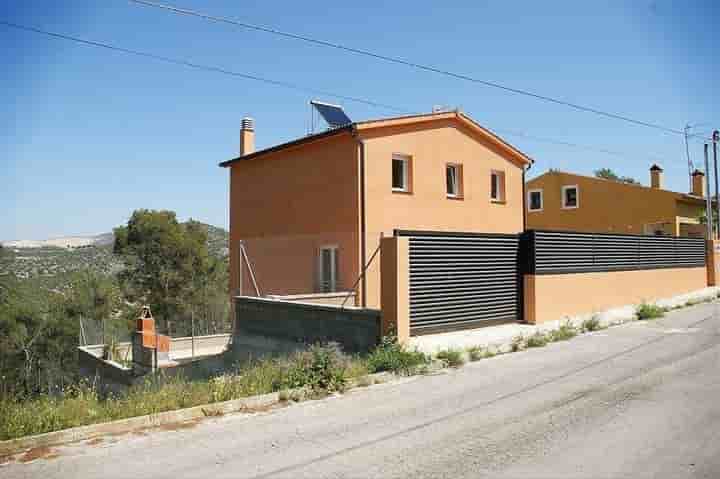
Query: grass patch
{"points": [[563, 333], [518, 343], [475, 353], [395, 357], [537, 340], [320, 370], [489, 353], [649, 311], [592, 324], [451, 357]]}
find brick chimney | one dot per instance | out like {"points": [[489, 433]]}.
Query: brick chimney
{"points": [[698, 183], [247, 136], [656, 177]]}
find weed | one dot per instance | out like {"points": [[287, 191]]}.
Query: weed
{"points": [[489, 353], [649, 311], [451, 357], [322, 369], [563, 333], [518, 343], [475, 353], [537, 340], [592, 324], [393, 356], [364, 381]]}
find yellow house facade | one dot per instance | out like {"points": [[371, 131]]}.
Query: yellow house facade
{"points": [[562, 201]]}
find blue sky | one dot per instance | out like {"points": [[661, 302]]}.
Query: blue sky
{"points": [[88, 134]]}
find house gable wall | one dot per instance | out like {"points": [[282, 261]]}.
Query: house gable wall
{"points": [[286, 205], [431, 147]]}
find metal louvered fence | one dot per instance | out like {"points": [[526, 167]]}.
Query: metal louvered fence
{"points": [[555, 252], [462, 280], [469, 280]]}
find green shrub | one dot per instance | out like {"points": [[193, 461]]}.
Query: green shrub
{"points": [[518, 343], [451, 357], [489, 353], [563, 333], [390, 355], [537, 340], [321, 369], [649, 311], [475, 353], [592, 324]]}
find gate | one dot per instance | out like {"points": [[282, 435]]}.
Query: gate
{"points": [[462, 280]]}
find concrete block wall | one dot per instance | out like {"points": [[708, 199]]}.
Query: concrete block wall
{"points": [[355, 329]]}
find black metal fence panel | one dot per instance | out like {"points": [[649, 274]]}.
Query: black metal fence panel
{"points": [[460, 281], [558, 252]]}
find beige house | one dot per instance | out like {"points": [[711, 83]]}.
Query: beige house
{"points": [[310, 213], [557, 200]]}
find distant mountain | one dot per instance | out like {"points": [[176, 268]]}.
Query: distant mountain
{"points": [[67, 242], [54, 258]]}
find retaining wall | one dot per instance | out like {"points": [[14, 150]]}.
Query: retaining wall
{"points": [[266, 326]]}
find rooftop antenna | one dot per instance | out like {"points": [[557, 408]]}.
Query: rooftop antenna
{"points": [[333, 115]]}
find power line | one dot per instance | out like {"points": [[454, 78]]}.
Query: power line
{"points": [[199, 66], [283, 84], [400, 61]]}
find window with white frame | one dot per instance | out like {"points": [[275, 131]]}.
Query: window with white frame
{"points": [[453, 180], [400, 173], [328, 269], [570, 196], [497, 186], [535, 200]]}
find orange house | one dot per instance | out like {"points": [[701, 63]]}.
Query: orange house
{"points": [[557, 200], [310, 213]]}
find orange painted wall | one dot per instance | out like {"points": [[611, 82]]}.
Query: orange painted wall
{"points": [[553, 297], [427, 206], [287, 204], [605, 206], [395, 283]]}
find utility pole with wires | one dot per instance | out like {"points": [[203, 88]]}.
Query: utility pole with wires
{"points": [[687, 154], [708, 202], [715, 138]]}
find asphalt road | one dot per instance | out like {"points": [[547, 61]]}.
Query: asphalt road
{"points": [[636, 401]]}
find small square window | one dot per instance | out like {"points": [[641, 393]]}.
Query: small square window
{"points": [[400, 173], [570, 197], [535, 200], [497, 186], [453, 180]]}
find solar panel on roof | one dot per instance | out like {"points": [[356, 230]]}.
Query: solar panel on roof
{"points": [[333, 115]]}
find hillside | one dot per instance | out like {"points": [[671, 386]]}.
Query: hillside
{"points": [[51, 262]]}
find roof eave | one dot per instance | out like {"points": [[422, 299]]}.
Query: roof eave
{"points": [[289, 144]]}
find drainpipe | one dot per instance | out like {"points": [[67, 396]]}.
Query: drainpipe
{"points": [[363, 252], [524, 195]]}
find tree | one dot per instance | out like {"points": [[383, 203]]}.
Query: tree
{"points": [[168, 264], [38, 346], [94, 301], [609, 174]]}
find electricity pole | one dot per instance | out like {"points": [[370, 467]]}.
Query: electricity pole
{"points": [[687, 154], [708, 203], [715, 137]]}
